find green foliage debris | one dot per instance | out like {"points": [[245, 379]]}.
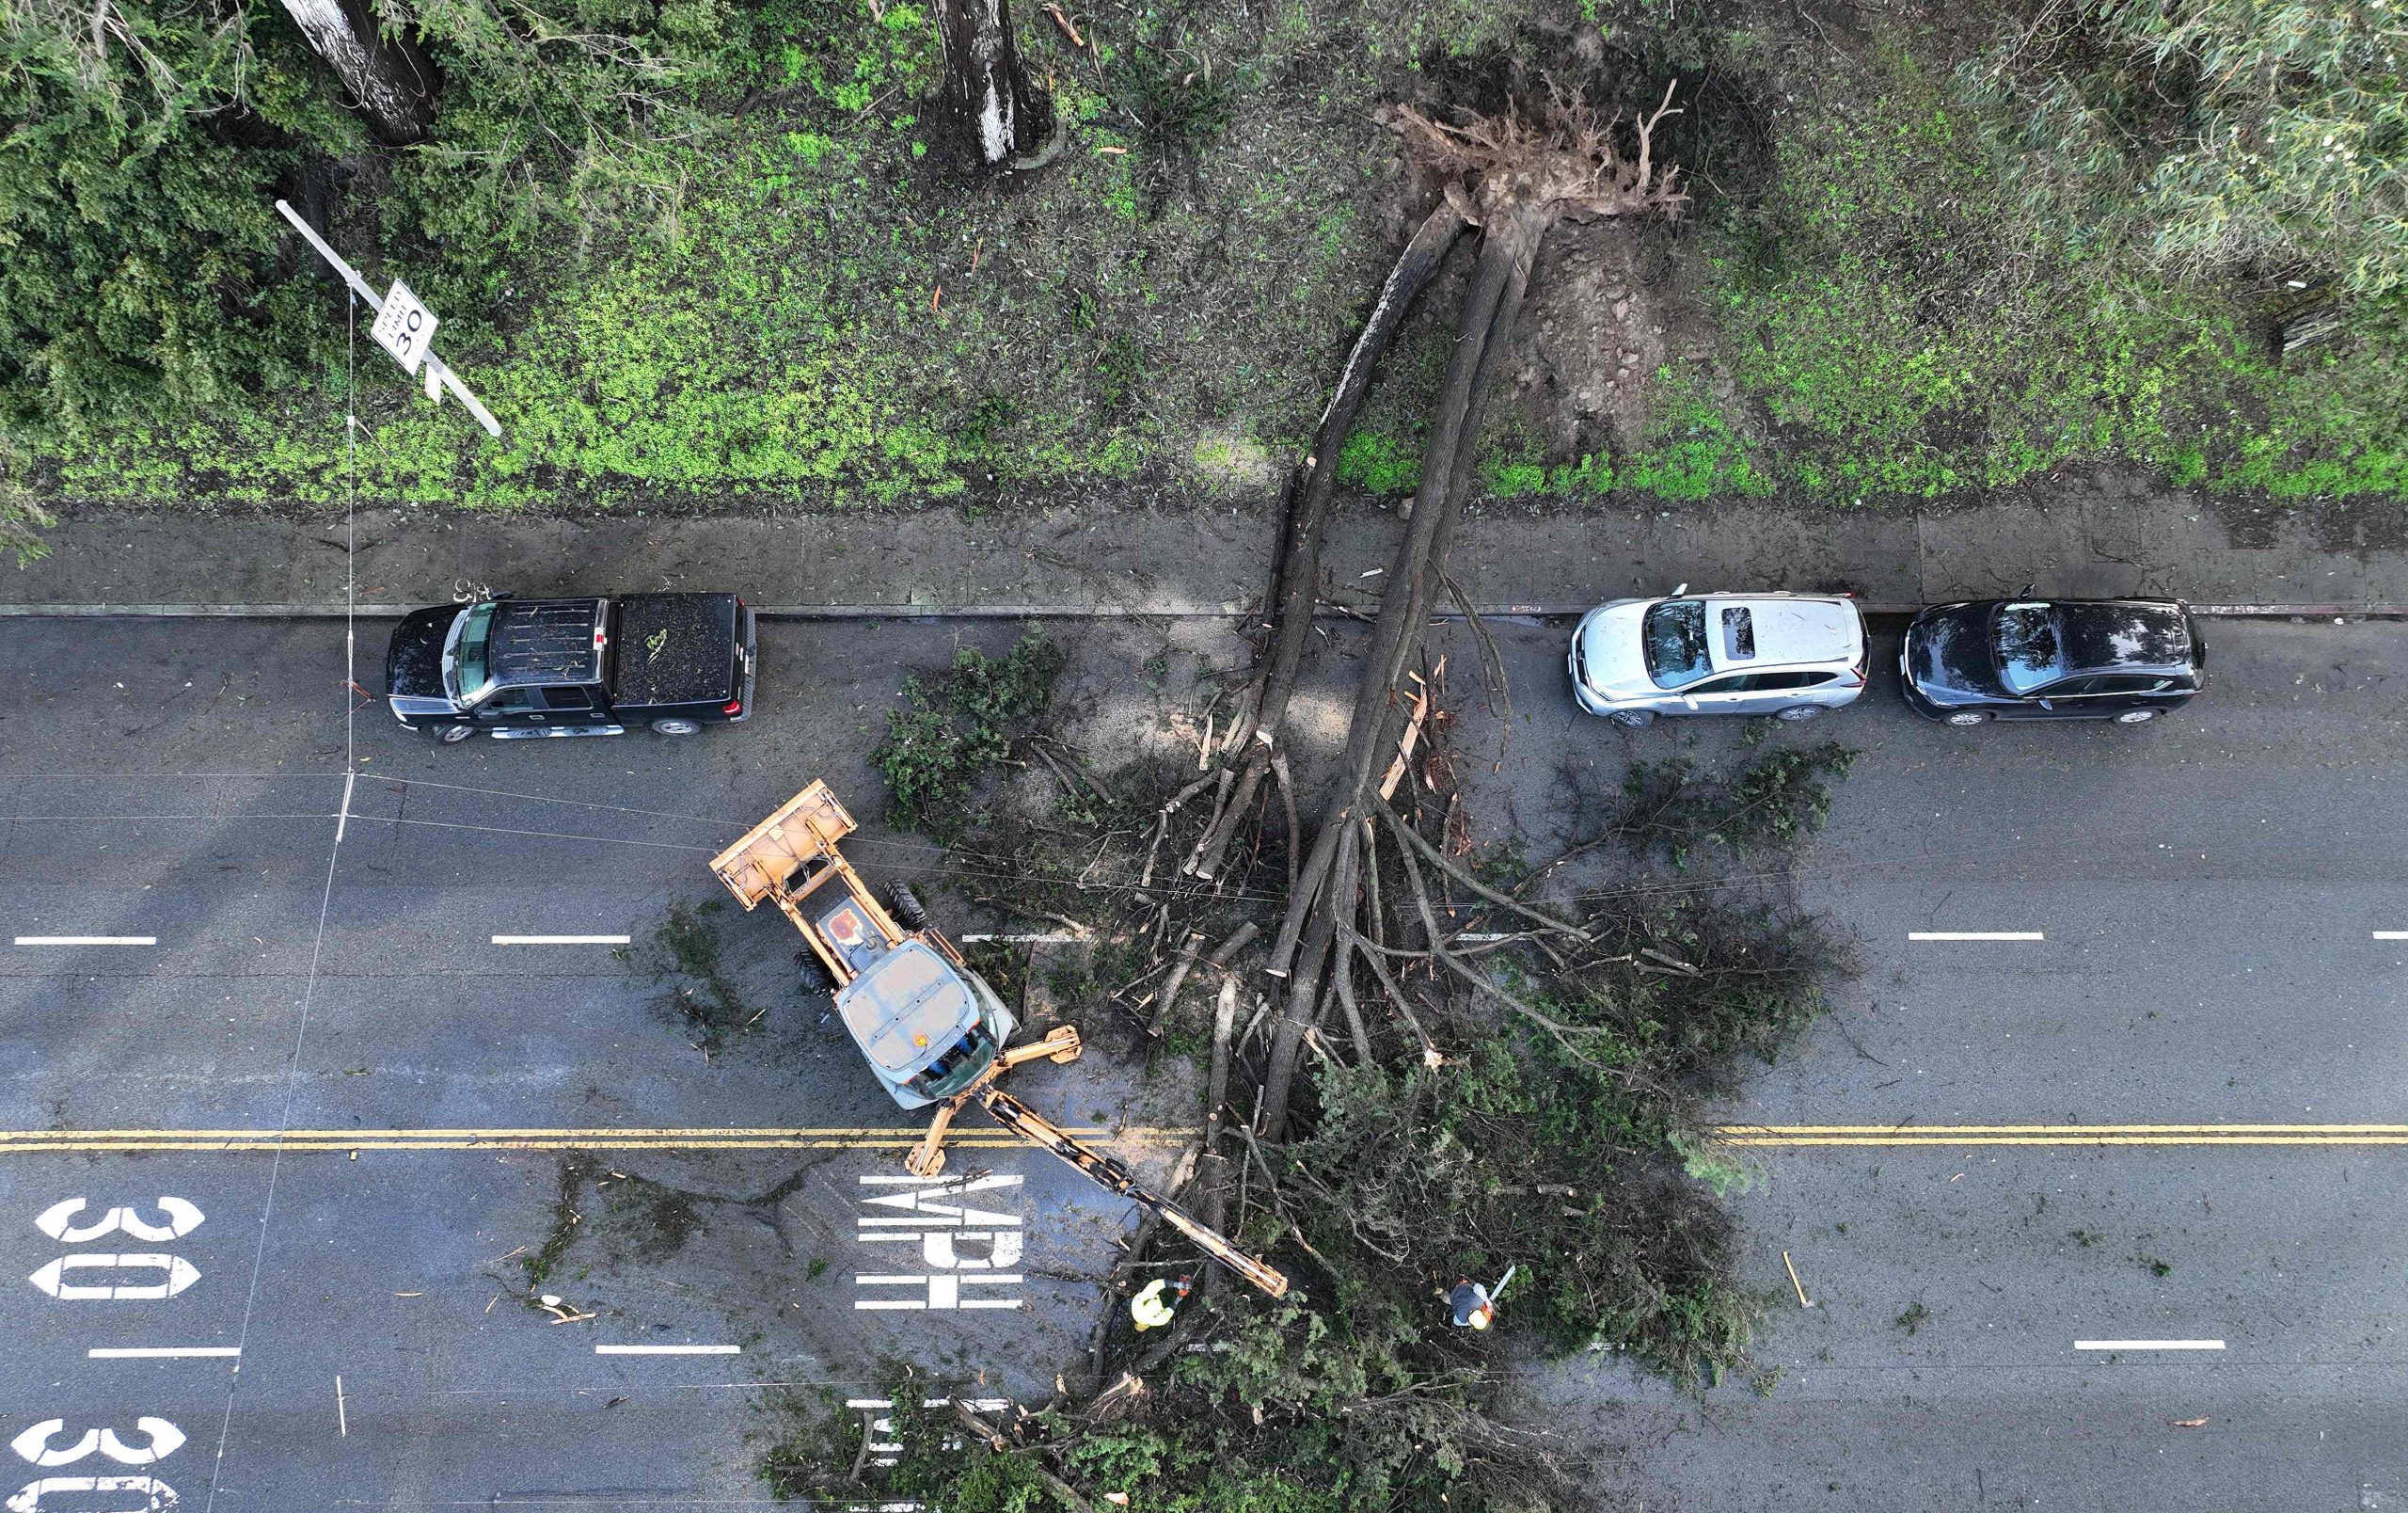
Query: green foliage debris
{"points": [[954, 732]]}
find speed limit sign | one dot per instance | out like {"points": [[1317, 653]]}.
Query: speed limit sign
{"points": [[404, 327]]}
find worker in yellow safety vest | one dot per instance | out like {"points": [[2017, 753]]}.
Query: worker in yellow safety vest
{"points": [[1151, 1308]]}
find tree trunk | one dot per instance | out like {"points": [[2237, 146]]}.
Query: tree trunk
{"points": [[1000, 117], [1295, 578], [385, 70], [1483, 329]]}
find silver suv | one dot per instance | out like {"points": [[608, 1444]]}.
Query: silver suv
{"points": [[1788, 655]]}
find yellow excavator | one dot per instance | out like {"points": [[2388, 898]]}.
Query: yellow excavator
{"points": [[933, 1032]]}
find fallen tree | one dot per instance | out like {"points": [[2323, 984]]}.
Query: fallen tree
{"points": [[1513, 176], [1448, 1065]]}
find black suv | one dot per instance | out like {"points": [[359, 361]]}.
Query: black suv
{"points": [[2128, 660]]}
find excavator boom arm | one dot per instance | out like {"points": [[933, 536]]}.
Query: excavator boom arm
{"points": [[1108, 1174]]}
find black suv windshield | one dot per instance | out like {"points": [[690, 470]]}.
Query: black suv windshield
{"points": [[2029, 653], [465, 661], [1674, 635]]}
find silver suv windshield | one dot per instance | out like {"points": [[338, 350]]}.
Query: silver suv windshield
{"points": [[465, 675], [1673, 634]]}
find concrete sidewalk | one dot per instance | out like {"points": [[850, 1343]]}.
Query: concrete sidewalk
{"points": [[2088, 534]]}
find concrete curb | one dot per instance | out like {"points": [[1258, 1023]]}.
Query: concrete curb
{"points": [[1056, 612]]}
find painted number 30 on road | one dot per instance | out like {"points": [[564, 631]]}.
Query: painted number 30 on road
{"points": [[52, 1443]]}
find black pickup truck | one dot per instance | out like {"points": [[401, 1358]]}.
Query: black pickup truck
{"points": [[517, 669]]}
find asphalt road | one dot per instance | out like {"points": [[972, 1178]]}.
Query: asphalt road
{"points": [[341, 1120], [2206, 890]]}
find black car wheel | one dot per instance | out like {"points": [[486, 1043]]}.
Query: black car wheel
{"points": [[451, 734], [1633, 719], [2136, 717], [1799, 713], [676, 727], [1969, 717]]}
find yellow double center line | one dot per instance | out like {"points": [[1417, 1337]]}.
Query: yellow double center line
{"points": [[1769, 1137], [215, 1142], [1803, 1137]]}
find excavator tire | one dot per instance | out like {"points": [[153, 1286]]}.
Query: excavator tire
{"points": [[907, 906], [814, 972]]}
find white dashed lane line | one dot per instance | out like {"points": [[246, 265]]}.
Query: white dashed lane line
{"points": [[2148, 1344], [87, 940], [162, 1352], [561, 940], [668, 1350], [1974, 934], [2391, 934]]}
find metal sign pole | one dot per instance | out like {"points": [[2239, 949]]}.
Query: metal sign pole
{"points": [[437, 368]]}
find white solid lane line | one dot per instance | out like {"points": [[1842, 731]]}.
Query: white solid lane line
{"points": [[2148, 1344], [160, 1352], [561, 940], [1974, 934], [2391, 934], [87, 940], [668, 1350]]}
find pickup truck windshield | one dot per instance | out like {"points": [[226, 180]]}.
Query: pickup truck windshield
{"points": [[463, 660]]}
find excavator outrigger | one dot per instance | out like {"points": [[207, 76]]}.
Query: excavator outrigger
{"points": [[932, 1031]]}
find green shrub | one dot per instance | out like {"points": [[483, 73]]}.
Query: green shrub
{"points": [[137, 241], [948, 736], [2213, 132]]}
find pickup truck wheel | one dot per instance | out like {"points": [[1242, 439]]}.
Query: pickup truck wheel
{"points": [[451, 734], [676, 727], [908, 907]]}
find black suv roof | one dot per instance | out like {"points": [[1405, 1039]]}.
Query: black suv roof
{"points": [[546, 641], [2124, 636]]}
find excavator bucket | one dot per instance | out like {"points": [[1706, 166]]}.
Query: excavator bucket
{"points": [[805, 829]]}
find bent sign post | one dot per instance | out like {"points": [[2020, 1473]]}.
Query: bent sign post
{"points": [[404, 326]]}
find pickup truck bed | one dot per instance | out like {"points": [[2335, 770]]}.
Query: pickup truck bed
{"points": [[675, 648]]}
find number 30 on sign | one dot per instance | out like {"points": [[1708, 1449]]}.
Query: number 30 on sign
{"points": [[404, 327]]}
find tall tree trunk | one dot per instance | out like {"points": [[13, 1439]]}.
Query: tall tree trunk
{"points": [[1000, 115], [385, 70], [1483, 329]]}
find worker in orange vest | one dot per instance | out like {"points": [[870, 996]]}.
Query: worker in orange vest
{"points": [[1475, 1306]]}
